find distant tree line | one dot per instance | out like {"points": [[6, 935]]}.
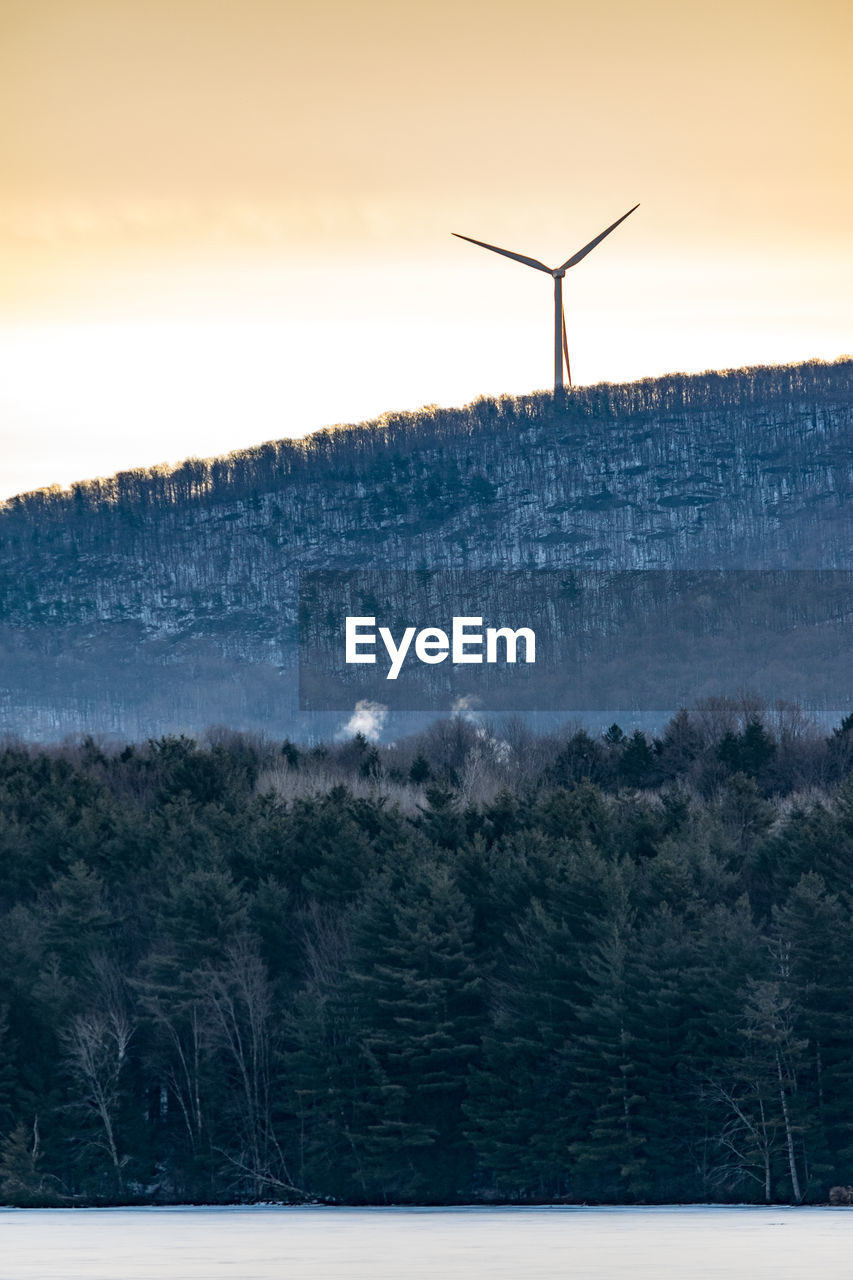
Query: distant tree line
{"points": [[474, 965], [347, 451]]}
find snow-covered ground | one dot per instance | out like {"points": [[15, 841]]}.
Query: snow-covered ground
{"points": [[416, 1244]]}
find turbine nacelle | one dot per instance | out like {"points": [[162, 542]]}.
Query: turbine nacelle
{"points": [[561, 348]]}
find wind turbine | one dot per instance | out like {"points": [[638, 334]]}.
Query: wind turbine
{"points": [[561, 346]]}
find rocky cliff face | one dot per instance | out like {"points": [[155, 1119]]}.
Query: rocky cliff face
{"points": [[164, 600]]}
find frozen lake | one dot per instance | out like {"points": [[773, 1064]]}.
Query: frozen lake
{"points": [[413, 1244]]}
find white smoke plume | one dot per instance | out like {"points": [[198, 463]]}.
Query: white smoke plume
{"points": [[368, 718], [466, 708]]}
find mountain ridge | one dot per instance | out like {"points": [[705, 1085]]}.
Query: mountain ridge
{"points": [[166, 597], [675, 384]]}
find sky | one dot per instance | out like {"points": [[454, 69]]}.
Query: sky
{"points": [[228, 221]]}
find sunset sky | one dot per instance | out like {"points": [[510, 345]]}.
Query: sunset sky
{"points": [[224, 221]]}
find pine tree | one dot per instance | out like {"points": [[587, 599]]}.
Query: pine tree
{"points": [[811, 936], [638, 764], [420, 1013], [23, 1181], [667, 1016], [522, 1119], [8, 1072], [609, 1161]]}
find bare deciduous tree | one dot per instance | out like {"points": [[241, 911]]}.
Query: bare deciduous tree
{"points": [[240, 1002], [747, 1139], [96, 1045]]}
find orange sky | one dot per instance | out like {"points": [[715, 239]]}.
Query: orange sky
{"points": [[223, 221]]}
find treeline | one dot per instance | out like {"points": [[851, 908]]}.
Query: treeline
{"points": [[475, 965], [353, 450]]}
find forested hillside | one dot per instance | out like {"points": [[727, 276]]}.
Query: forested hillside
{"points": [[166, 599], [466, 967]]}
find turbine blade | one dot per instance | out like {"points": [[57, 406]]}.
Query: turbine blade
{"points": [[566, 349], [518, 257], [571, 262]]}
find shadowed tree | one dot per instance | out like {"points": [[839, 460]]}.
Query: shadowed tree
{"points": [[96, 1047], [421, 1013]]}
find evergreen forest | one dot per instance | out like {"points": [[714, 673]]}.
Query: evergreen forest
{"points": [[477, 965]]}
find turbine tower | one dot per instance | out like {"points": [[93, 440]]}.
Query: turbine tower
{"points": [[561, 346]]}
